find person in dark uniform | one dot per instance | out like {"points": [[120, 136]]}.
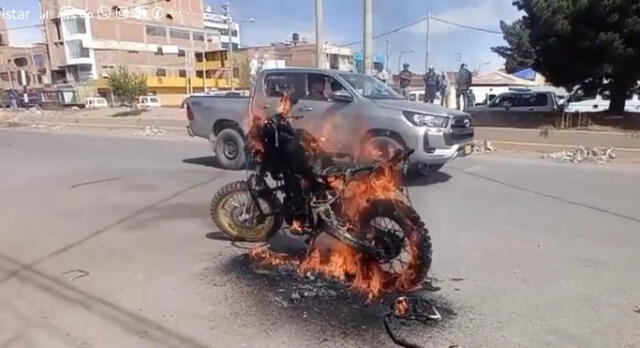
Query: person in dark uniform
{"points": [[430, 85], [405, 80], [463, 84]]}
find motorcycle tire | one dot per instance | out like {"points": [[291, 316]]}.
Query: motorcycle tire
{"points": [[409, 245], [234, 212]]}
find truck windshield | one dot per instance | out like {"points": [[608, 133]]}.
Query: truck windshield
{"points": [[370, 87]]}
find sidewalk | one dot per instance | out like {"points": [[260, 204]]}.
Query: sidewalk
{"points": [[626, 144], [101, 118]]}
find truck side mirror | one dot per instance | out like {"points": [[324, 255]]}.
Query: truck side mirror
{"points": [[341, 96]]}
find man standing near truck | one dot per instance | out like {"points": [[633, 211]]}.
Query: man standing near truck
{"points": [[463, 84], [405, 80], [430, 85]]}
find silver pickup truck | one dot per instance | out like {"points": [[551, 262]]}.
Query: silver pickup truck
{"points": [[352, 115]]}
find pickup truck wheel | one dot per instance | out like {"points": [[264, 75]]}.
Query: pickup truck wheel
{"points": [[229, 149]]}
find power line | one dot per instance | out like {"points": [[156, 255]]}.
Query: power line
{"points": [[421, 19], [388, 32], [23, 27], [465, 26]]}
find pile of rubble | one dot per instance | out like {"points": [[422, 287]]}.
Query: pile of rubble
{"points": [[599, 155], [151, 131], [483, 147]]}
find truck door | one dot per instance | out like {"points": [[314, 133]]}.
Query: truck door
{"points": [[331, 122], [532, 109]]}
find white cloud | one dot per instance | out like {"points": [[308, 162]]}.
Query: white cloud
{"points": [[485, 14]]}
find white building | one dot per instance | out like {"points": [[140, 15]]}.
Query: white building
{"points": [[218, 25]]}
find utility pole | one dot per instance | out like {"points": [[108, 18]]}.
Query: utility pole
{"points": [[368, 37], [320, 61], [226, 10], [426, 58]]}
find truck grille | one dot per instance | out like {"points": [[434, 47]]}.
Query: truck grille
{"points": [[461, 130]]}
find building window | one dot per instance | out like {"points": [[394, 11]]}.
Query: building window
{"points": [[39, 78], [225, 45], [199, 74], [75, 25], [20, 62], [161, 72], [2, 43], [182, 53], [198, 36], [4, 76], [234, 33], [179, 34], [224, 32], [156, 31], [38, 59], [76, 50], [182, 73], [159, 51]]}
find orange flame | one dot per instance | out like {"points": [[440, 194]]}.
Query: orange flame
{"points": [[342, 262], [338, 260]]}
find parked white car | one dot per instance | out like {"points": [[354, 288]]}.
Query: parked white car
{"points": [[601, 103], [150, 101], [418, 96], [96, 103]]}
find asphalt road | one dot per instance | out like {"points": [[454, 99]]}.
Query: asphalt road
{"points": [[106, 242]]}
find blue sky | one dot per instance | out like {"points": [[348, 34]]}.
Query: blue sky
{"points": [[276, 20]]}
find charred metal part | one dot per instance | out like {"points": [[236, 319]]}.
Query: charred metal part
{"points": [[410, 309]]}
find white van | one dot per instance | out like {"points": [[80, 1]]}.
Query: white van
{"points": [[417, 95], [95, 103], [149, 101]]}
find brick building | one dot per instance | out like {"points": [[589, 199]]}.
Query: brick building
{"points": [[87, 39], [33, 60]]}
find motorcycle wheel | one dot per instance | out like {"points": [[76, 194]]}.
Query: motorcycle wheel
{"points": [[397, 229], [236, 214]]}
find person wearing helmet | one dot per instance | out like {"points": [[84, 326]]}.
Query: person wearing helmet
{"points": [[430, 85]]}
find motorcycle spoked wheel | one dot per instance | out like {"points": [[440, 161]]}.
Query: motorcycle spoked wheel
{"points": [[235, 212], [396, 228]]}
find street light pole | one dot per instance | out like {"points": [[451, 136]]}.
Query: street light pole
{"points": [[368, 37], [226, 10], [320, 61], [386, 56]]}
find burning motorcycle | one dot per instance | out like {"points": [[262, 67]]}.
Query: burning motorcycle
{"points": [[380, 243]]}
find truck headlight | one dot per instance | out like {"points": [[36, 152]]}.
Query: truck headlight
{"points": [[426, 119]]}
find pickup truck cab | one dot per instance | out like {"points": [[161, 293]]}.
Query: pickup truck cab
{"points": [[352, 115], [518, 108]]}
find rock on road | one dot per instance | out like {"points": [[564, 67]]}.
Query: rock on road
{"points": [[106, 242]]}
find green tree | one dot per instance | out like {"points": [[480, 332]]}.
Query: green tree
{"points": [[586, 42], [518, 53], [127, 85]]}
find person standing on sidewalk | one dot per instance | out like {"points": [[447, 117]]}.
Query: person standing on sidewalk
{"points": [[463, 84], [430, 86], [444, 90], [405, 80]]}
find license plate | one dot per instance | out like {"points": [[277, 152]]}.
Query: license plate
{"points": [[468, 149]]}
